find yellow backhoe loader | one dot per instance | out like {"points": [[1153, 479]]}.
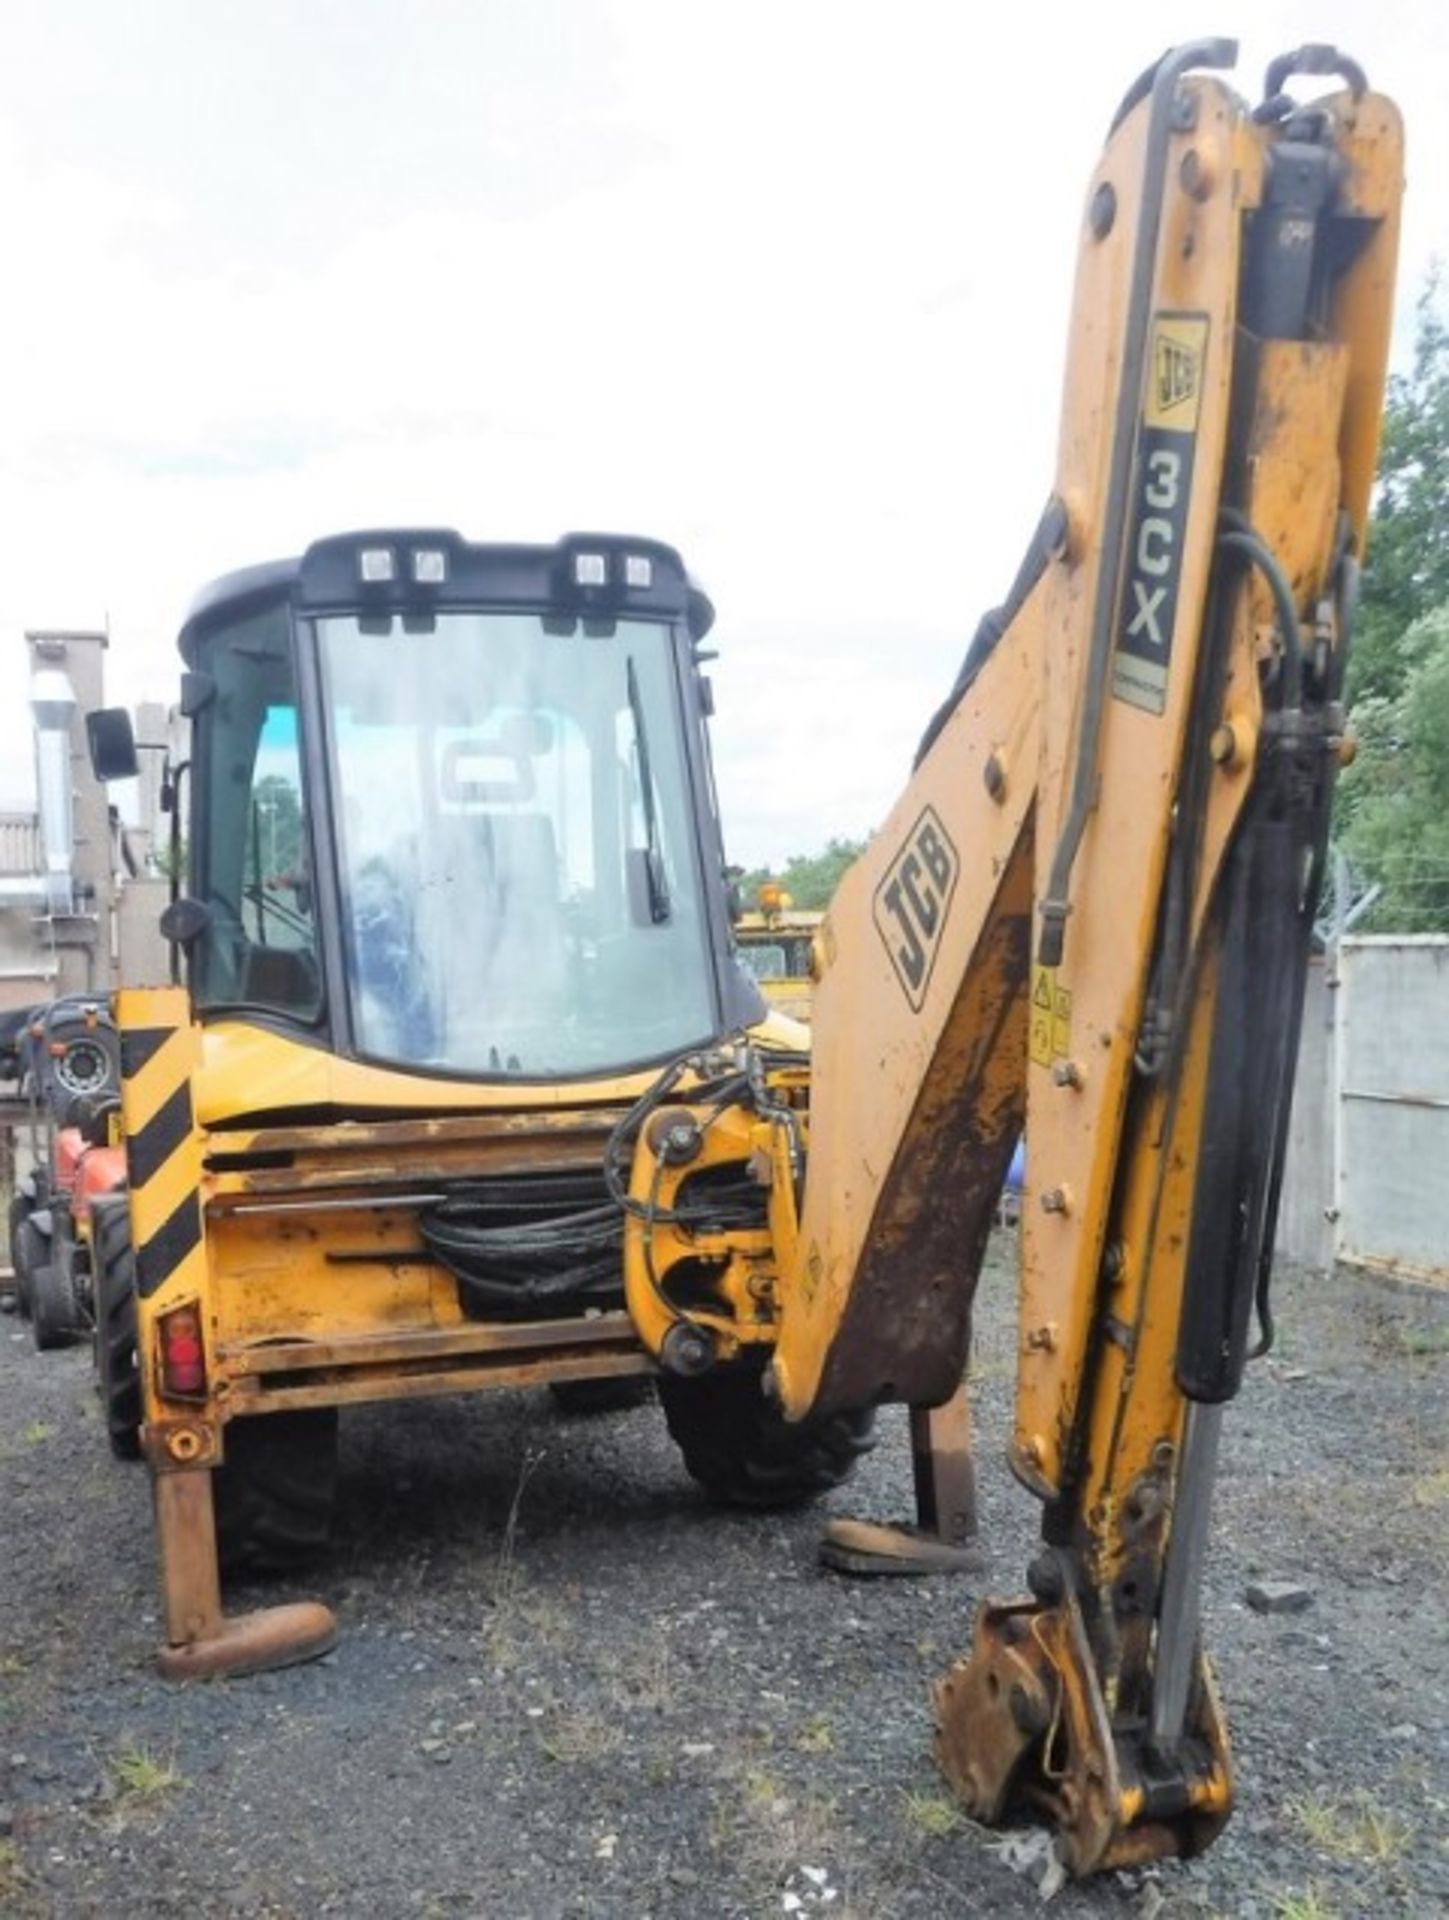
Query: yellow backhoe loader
{"points": [[462, 1002], [774, 938]]}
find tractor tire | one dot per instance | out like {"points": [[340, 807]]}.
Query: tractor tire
{"points": [[586, 1398], [22, 1251], [742, 1451], [89, 1063], [275, 1489], [32, 1253], [55, 1313], [118, 1366], [19, 1208]]}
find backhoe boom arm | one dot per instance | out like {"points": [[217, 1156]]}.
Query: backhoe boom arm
{"points": [[1088, 915]]}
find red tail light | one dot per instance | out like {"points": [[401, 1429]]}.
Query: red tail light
{"points": [[183, 1358]]}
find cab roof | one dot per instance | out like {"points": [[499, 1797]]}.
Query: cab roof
{"points": [[331, 577]]}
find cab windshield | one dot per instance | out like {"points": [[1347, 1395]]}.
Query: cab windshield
{"points": [[516, 844]]}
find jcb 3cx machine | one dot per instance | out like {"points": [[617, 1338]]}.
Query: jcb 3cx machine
{"points": [[463, 1011]]}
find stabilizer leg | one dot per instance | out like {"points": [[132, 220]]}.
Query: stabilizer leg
{"points": [[202, 1643], [943, 1538]]}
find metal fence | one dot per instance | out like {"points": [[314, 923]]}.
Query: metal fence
{"points": [[1367, 1179]]}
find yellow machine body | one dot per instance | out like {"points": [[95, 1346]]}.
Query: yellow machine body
{"points": [[299, 1244], [1086, 918]]}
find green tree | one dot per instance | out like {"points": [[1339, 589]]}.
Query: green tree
{"points": [[809, 878], [1393, 803], [1397, 791], [1408, 545]]}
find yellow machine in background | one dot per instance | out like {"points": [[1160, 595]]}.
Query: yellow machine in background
{"points": [[465, 1093], [775, 942]]}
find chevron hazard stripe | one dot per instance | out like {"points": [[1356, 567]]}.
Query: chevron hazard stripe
{"points": [[160, 1049]]}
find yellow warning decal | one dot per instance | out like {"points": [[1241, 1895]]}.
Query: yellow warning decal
{"points": [[1043, 1001], [1175, 371], [1050, 1032], [1061, 1021]]}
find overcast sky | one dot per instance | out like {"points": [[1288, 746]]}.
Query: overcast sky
{"points": [[783, 284]]}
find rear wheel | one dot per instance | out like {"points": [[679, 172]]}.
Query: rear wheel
{"points": [[744, 1453], [275, 1491], [118, 1369], [21, 1250], [55, 1315], [32, 1252]]}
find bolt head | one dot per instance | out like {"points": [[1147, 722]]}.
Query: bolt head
{"points": [[1195, 175], [1224, 744]]}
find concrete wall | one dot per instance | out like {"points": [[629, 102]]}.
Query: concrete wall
{"points": [[143, 959], [1367, 1178], [1393, 1055]]}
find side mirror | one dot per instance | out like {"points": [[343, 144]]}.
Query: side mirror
{"points": [[185, 920], [112, 744]]}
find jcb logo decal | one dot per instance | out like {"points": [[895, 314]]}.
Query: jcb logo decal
{"points": [[1176, 375], [912, 901], [1174, 387], [1152, 568]]}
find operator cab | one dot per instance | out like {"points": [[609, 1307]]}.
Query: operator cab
{"points": [[452, 807]]}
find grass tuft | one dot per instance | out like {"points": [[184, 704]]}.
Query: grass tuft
{"points": [[505, 1577], [1352, 1827], [12, 1875], [579, 1738], [762, 1789], [934, 1814], [1425, 1341], [816, 1736], [142, 1775], [1311, 1904]]}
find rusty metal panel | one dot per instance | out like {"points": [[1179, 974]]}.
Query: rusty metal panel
{"points": [[386, 1155], [425, 1380], [429, 1344]]}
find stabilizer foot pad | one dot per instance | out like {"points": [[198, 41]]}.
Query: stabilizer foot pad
{"points": [[254, 1643], [861, 1547]]}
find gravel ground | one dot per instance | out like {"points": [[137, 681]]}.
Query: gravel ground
{"points": [[566, 1686]]}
